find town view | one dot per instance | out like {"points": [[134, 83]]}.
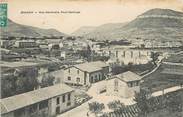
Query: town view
{"points": [[130, 69]]}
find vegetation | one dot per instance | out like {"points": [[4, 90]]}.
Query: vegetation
{"points": [[115, 105], [100, 58], [142, 102], [171, 102], [86, 53], [117, 69], [96, 107], [120, 42], [24, 81], [47, 80], [154, 56]]}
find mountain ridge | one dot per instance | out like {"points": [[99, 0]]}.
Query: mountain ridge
{"points": [[167, 27], [20, 30]]}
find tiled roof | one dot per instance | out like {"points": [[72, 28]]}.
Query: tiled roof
{"points": [[91, 66], [22, 100]]}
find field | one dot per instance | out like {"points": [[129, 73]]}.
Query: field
{"points": [[159, 81]]}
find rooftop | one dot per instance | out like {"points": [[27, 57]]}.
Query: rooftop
{"points": [[91, 66], [128, 76], [19, 101]]}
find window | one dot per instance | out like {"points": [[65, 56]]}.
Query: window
{"points": [[91, 79], [78, 71], [19, 112], [130, 84], [68, 78], [69, 70], [33, 108], [58, 110], [43, 104], [99, 77], [58, 100], [116, 85], [63, 98], [69, 103], [78, 80], [137, 83], [69, 97]]}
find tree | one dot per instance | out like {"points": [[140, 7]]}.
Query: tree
{"points": [[47, 80], [116, 105], [174, 103], [26, 80], [142, 102], [154, 56], [7, 87], [96, 107], [86, 53]]}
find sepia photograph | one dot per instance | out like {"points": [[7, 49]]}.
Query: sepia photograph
{"points": [[91, 58]]}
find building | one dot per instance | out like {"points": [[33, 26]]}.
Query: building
{"points": [[86, 73], [5, 43], [45, 102], [123, 85], [127, 56], [25, 44], [8, 55]]}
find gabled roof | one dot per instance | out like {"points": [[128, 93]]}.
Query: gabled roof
{"points": [[22, 100], [127, 76], [91, 66]]}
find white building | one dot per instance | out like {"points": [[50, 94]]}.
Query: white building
{"points": [[25, 44], [126, 56], [86, 73], [46, 102]]}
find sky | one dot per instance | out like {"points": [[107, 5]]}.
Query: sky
{"points": [[89, 12]]}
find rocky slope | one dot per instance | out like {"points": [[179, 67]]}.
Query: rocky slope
{"points": [[158, 24]]}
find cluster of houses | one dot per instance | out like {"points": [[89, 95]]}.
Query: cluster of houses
{"points": [[60, 97], [146, 43]]}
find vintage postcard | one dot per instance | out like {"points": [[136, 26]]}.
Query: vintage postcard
{"points": [[91, 58]]}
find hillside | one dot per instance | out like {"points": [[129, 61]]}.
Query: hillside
{"points": [[83, 30], [18, 30], [158, 24], [104, 31]]}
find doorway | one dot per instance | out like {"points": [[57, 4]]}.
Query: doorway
{"points": [[58, 110]]}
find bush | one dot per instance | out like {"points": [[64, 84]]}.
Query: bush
{"points": [[96, 107], [115, 105]]}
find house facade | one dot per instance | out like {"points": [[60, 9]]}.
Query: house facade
{"points": [[86, 73], [25, 44], [123, 85], [45, 102]]}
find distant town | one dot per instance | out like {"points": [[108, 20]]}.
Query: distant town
{"points": [[75, 76]]}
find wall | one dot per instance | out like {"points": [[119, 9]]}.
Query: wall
{"points": [[131, 56], [74, 75], [95, 76], [10, 114], [123, 90], [63, 105]]}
